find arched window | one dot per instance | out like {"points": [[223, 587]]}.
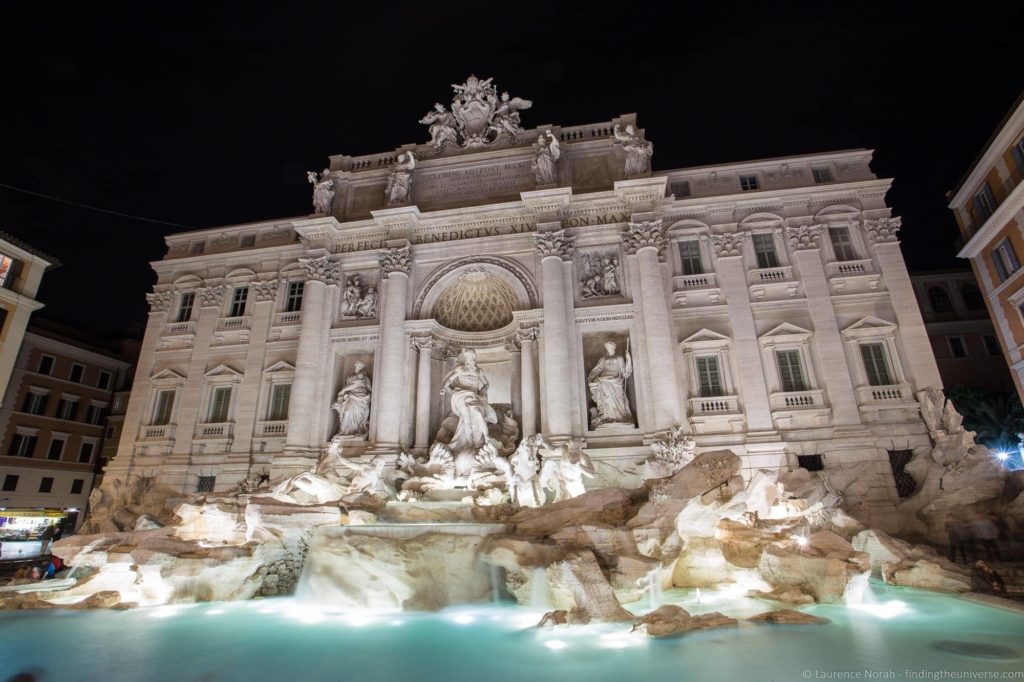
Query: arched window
{"points": [[972, 297], [939, 298]]}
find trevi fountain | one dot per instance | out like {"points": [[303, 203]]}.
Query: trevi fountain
{"points": [[613, 475]]}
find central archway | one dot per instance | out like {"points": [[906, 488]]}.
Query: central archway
{"points": [[477, 278], [477, 301]]}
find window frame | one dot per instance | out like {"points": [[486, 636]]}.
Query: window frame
{"points": [[708, 344], [945, 304], [790, 382], [952, 348], [157, 417], [774, 252], [272, 404], [39, 365], [10, 484], [293, 295], [80, 482], [186, 307], [1003, 266], [92, 443], [81, 374], [988, 346], [61, 438], [239, 301], [687, 190], [787, 337], [840, 254], [886, 358], [750, 182], [822, 175], [684, 259], [46, 484], [36, 401]]}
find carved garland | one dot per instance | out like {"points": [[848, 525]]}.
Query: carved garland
{"points": [[728, 245], [395, 260], [554, 244], [647, 233], [321, 269]]}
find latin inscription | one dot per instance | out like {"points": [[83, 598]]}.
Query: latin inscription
{"points": [[500, 179]]}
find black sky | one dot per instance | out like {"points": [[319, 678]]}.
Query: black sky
{"points": [[210, 115]]}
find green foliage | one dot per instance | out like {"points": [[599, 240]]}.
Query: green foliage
{"points": [[996, 414]]}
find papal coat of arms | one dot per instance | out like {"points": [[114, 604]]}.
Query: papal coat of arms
{"points": [[478, 117]]}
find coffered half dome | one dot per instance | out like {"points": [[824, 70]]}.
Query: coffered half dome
{"points": [[477, 301]]}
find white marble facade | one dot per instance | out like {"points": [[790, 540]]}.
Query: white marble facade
{"points": [[763, 308]]}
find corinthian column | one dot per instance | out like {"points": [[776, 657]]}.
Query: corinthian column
{"points": [[389, 379], [527, 337], [554, 247], [644, 239], [424, 345], [303, 438]]}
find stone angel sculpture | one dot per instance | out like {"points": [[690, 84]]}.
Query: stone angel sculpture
{"points": [[443, 127], [506, 115]]}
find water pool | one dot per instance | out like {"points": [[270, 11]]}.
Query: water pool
{"points": [[285, 639]]}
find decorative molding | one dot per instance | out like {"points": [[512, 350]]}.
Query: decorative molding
{"points": [[422, 343], [210, 297], [804, 237], [524, 334], [554, 244], [395, 260], [647, 233], [160, 301], [514, 345], [882, 230], [728, 245], [321, 269], [264, 291], [714, 180]]}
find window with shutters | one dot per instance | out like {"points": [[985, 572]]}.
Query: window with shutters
{"points": [[294, 300], [710, 376], [983, 205], [46, 364], [76, 373], [238, 301], [842, 245], [689, 252], [280, 395], [66, 408], [56, 449], [764, 250], [86, 451], [1005, 260], [220, 402], [876, 364], [35, 402], [791, 372], [22, 445], [162, 407], [185, 306]]}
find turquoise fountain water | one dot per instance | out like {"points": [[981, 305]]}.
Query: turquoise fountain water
{"points": [[896, 631]]}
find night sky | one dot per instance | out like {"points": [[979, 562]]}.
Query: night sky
{"points": [[210, 116]]}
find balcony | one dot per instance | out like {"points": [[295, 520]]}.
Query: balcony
{"points": [[783, 273], [696, 289], [228, 324], [715, 405], [704, 281], [286, 319], [799, 409], [716, 414], [221, 431], [848, 268], [797, 400], [772, 283], [157, 432], [276, 429], [886, 397], [187, 328]]}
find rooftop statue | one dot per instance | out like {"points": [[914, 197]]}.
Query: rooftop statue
{"points": [[323, 191], [638, 151], [478, 116]]}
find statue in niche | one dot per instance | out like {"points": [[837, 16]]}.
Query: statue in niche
{"points": [[638, 151], [359, 299], [442, 126], [563, 470], [547, 153], [353, 402], [399, 186], [607, 381], [323, 191], [468, 385], [599, 277]]}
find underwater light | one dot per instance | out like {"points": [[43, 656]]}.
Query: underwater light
{"points": [[464, 619], [555, 644], [886, 610]]}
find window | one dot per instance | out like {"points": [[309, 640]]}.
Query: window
{"points": [[294, 302], [1005, 260], [35, 403], [939, 299], [1018, 156], [198, 248], [185, 305], [10, 483], [46, 484], [10, 268], [982, 205], [709, 376], [972, 297], [56, 449], [46, 364], [821, 175], [991, 344], [220, 401], [85, 452], [875, 364], [66, 408], [248, 241], [905, 483], [206, 484], [841, 243], [810, 462], [94, 415], [76, 486], [76, 373], [109, 433], [689, 251], [748, 182], [680, 189], [3, 318], [22, 445], [104, 380], [957, 346], [238, 300], [790, 371], [162, 410], [280, 396], [764, 249]]}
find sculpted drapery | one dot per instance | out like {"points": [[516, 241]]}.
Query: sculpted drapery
{"points": [[468, 385], [607, 382], [353, 402]]}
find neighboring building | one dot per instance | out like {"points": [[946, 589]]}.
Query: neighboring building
{"points": [[765, 305], [963, 337], [52, 423], [21, 272], [989, 208]]}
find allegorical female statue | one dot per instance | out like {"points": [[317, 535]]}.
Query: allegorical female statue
{"points": [[399, 186], [323, 191], [547, 153], [608, 388], [353, 402], [468, 386]]}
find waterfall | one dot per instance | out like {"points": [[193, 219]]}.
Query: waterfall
{"points": [[494, 573], [654, 588], [85, 550], [858, 591], [539, 597], [698, 596]]}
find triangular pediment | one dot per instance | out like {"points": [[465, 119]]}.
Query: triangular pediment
{"points": [[279, 366], [167, 375], [222, 371], [705, 335], [786, 329], [870, 322]]}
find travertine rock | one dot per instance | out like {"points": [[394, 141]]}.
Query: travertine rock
{"points": [[939, 574], [578, 581], [669, 620], [822, 568], [605, 506], [786, 595], [788, 617]]}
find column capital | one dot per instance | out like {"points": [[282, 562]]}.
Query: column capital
{"points": [[728, 245], [555, 244], [160, 301], [643, 234], [524, 334], [804, 237], [422, 343], [321, 269], [395, 260], [264, 291], [210, 297], [514, 345], [883, 230]]}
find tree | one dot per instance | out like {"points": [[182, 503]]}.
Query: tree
{"points": [[995, 414]]}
